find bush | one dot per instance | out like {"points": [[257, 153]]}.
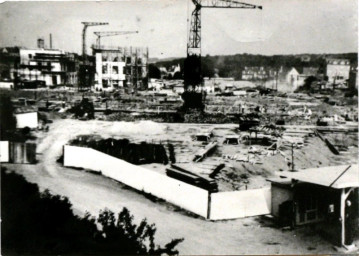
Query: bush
{"points": [[84, 109], [35, 223], [26, 130]]}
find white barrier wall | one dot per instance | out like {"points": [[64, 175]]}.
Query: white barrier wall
{"points": [[4, 151], [189, 197], [240, 204], [27, 119]]}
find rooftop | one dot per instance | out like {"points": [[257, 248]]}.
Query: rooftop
{"points": [[330, 176]]}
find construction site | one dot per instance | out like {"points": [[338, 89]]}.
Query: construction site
{"points": [[234, 166]]}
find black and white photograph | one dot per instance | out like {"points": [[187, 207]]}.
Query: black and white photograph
{"points": [[179, 127]]}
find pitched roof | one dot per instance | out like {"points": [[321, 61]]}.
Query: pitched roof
{"points": [[331, 176]]}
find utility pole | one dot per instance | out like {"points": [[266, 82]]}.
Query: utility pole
{"points": [[136, 71], [276, 80], [293, 157]]}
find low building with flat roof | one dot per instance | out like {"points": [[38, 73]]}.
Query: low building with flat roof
{"points": [[326, 197]]}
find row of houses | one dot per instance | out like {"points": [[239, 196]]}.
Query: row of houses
{"points": [[336, 71], [107, 68]]}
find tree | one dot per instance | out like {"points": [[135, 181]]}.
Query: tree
{"points": [[84, 109], [153, 71], [139, 239], [7, 118], [177, 75], [35, 223]]}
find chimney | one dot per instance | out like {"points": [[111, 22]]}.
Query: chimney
{"points": [[40, 43], [50, 41]]}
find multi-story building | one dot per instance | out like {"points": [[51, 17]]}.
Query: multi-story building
{"points": [[337, 70], [120, 67], [55, 67]]}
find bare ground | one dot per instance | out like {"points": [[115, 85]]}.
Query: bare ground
{"points": [[90, 192]]}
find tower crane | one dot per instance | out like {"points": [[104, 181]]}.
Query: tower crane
{"points": [[192, 64], [194, 40], [86, 25], [110, 33]]}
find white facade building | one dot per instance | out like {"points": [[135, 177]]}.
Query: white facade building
{"points": [[120, 67], [292, 77], [110, 73], [42, 64], [7, 85], [337, 70]]}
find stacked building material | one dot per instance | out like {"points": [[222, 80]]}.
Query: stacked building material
{"points": [[189, 177], [202, 153]]}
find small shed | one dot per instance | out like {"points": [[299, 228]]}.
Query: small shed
{"points": [[326, 196], [27, 119], [17, 152], [7, 85], [232, 139]]}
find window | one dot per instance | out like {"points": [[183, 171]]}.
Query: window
{"points": [[104, 69], [115, 70], [104, 83], [30, 56]]}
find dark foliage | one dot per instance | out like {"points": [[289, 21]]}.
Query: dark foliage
{"points": [[84, 109], [308, 84], [232, 65], [177, 76], [35, 223], [143, 153], [352, 92], [7, 118], [153, 71]]}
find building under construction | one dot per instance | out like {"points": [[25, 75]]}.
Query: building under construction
{"points": [[53, 67], [120, 67]]}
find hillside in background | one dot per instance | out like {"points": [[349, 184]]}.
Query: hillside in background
{"points": [[232, 65]]}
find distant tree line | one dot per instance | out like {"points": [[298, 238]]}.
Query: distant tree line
{"points": [[233, 65], [35, 223]]}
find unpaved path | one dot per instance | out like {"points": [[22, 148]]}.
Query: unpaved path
{"points": [[90, 192]]}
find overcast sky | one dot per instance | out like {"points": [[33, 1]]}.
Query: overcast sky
{"points": [[282, 27]]}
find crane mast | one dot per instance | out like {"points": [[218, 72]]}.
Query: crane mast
{"points": [[192, 65], [194, 40], [86, 25], [110, 33]]}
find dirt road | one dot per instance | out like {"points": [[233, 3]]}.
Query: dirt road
{"points": [[90, 192]]}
